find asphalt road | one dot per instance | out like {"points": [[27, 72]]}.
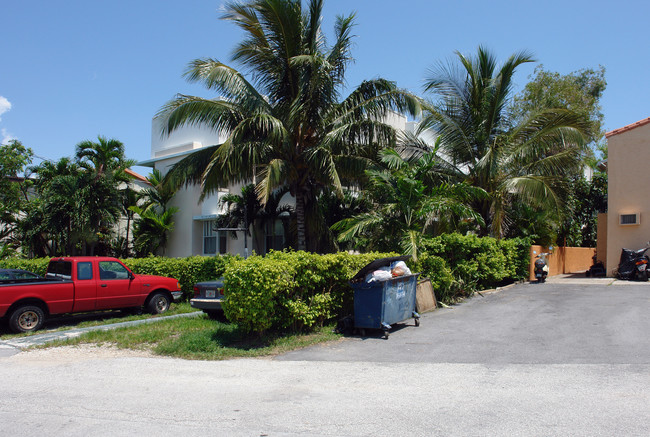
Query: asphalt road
{"points": [[552, 359]]}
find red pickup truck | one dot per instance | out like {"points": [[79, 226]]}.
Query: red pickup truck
{"points": [[80, 284]]}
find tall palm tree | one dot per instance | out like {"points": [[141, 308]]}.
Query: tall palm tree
{"points": [[289, 122], [526, 159], [105, 162]]}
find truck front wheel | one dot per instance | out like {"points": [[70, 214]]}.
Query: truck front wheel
{"points": [[26, 318], [158, 304]]}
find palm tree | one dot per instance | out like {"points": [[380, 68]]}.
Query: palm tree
{"points": [[159, 194], [104, 156], [151, 229], [246, 209], [405, 208], [289, 122], [105, 162], [526, 159]]}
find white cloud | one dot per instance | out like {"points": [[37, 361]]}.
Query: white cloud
{"points": [[5, 105], [6, 137]]}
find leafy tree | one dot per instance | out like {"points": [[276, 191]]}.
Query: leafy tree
{"points": [[526, 159], [14, 159], [289, 124], [579, 91]]}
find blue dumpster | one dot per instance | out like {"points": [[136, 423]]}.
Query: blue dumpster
{"points": [[379, 304]]}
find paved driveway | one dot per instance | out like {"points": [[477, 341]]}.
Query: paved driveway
{"points": [[553, 359], [563, 322]]}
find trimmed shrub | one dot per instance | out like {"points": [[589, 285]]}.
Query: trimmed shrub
{"points": [[291, 291], [188, 270], [36, 265], [475, 263]]}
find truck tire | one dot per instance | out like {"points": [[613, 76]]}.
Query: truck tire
{"points": [[26, 318], [158, 304]]}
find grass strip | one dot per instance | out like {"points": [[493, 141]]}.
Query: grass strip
{"points": [[199, 338]]}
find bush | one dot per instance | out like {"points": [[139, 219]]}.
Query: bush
{"points": [[475, 263], [291, 291], [188, 270], [36, 265]]}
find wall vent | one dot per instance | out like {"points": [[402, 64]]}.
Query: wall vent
{"points": [[629, 219]]}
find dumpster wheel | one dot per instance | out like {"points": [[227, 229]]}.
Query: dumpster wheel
{"points": [[417, 321]]}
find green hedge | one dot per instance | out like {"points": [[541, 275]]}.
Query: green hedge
{"points": [[36, 265], [188, 270], [297, 291], [294, 291], [460, 264]]}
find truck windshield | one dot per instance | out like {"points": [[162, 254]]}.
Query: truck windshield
{"points": [[60, 269]]}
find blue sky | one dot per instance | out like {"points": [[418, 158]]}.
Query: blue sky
{"points": [[73, 70]]}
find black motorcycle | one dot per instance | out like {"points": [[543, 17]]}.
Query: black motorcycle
{"points": [[633, 264]]}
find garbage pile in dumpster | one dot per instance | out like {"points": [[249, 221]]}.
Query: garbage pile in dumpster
{"points": [[397, 268]]}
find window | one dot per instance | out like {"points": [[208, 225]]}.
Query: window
{"points": [[84, 271], [60, 269], [274, 235], [112, 270], [213, 241]]}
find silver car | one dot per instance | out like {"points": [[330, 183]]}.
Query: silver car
{"points": [[208, 297]]}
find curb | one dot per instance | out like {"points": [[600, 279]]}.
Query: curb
{"points": [[39, 339]]}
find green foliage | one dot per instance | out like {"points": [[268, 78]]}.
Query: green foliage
{"points": [[579, 91], [522, 159], [407, 205], [291, 291], [36, 265], [585, 200], [188, 270], [435, 268], [14, 159], [153, 221], [77, 202], [288, 124], [459, 264]]}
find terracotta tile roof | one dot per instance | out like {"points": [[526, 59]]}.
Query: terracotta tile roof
{"points": [[136, 175], [620, 130]]}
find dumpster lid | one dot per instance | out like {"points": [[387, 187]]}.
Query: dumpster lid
{"points": [[374, 265]]}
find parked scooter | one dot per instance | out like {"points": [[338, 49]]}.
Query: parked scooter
{"points": [[541, 266], [634, 264]]}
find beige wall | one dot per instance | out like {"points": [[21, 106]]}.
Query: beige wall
{"points": [[628, 171], [601, 238], [563, 259]]}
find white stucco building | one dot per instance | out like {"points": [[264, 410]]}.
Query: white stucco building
{"points": [[195, 223]]}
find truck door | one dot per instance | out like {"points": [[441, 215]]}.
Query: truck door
{"points": [[115, 289], [85, 287]]}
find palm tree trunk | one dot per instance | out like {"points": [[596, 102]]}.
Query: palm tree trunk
{"points": [[300, 220]]}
